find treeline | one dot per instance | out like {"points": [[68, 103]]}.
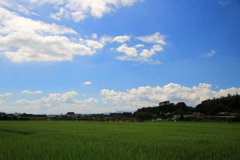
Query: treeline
{"points": [[4, 116], [231, 104], [124, 116], [214, 108], [163, 111]]}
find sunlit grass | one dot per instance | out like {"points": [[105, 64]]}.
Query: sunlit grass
{"points": [[98, 140]]}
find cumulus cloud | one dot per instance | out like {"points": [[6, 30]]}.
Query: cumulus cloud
{"points": [[144, 57], [94, 44], [149, 53], [150, 96], [106, 39], [129, 51], [80, 10], [154, 38], [32, 92], [89, 100], [87, 83], [121, 39], [58, 99], [131, 99], [145, 54], [54, 103], [23, 39]]}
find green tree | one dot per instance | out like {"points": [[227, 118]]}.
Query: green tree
{"points": [[143, 116]]}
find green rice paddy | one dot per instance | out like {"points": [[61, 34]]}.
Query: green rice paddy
{"points": [[70, 140]]}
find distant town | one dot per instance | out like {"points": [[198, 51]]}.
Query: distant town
{"points": [[217, 109]]}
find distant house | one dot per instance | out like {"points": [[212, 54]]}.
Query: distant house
{"points": [[197, 115], [164, 103], [233, 114], [188, 116], [223, 113], [70, 114], [177, 116], [168, 114], [157, 120]]}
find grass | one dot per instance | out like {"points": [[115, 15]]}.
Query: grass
{"points": [[102, 140]]}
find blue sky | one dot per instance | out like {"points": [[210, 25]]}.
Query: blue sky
{"points": [[111, 55]]}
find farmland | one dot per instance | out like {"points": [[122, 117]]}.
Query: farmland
{"points": [[105, 140]]}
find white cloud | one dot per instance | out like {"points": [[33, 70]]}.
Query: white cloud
{"points": [[105, 39], [5, 96], [224, 2], [11, 22], [89, 100], [4, 3], [94, 44], [139, 45], [14, 5], [32, 92], [23, 39], [53, 99], [94, 36], [54, 103], [121, 39], [154, 38], [149, 53], [143, 57], [150, 96], [87, 83], [41, 2], [131, 99], [210, 54], [2, 102], [81, 9], [58, 99], [129, 51], [139, 59]]}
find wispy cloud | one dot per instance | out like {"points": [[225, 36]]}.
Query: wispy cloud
{"points": [[80, 10], [154, 38], [5, 96], [224, 2], [210, 54], [32, 92], [121, 39], [87, 83]]}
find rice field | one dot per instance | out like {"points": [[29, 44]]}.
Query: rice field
{"points": [[70, 140]]}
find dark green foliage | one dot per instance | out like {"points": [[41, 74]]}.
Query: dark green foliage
{"points": [[231, 103], [143, 116], [160, 111], [7, 117]]}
